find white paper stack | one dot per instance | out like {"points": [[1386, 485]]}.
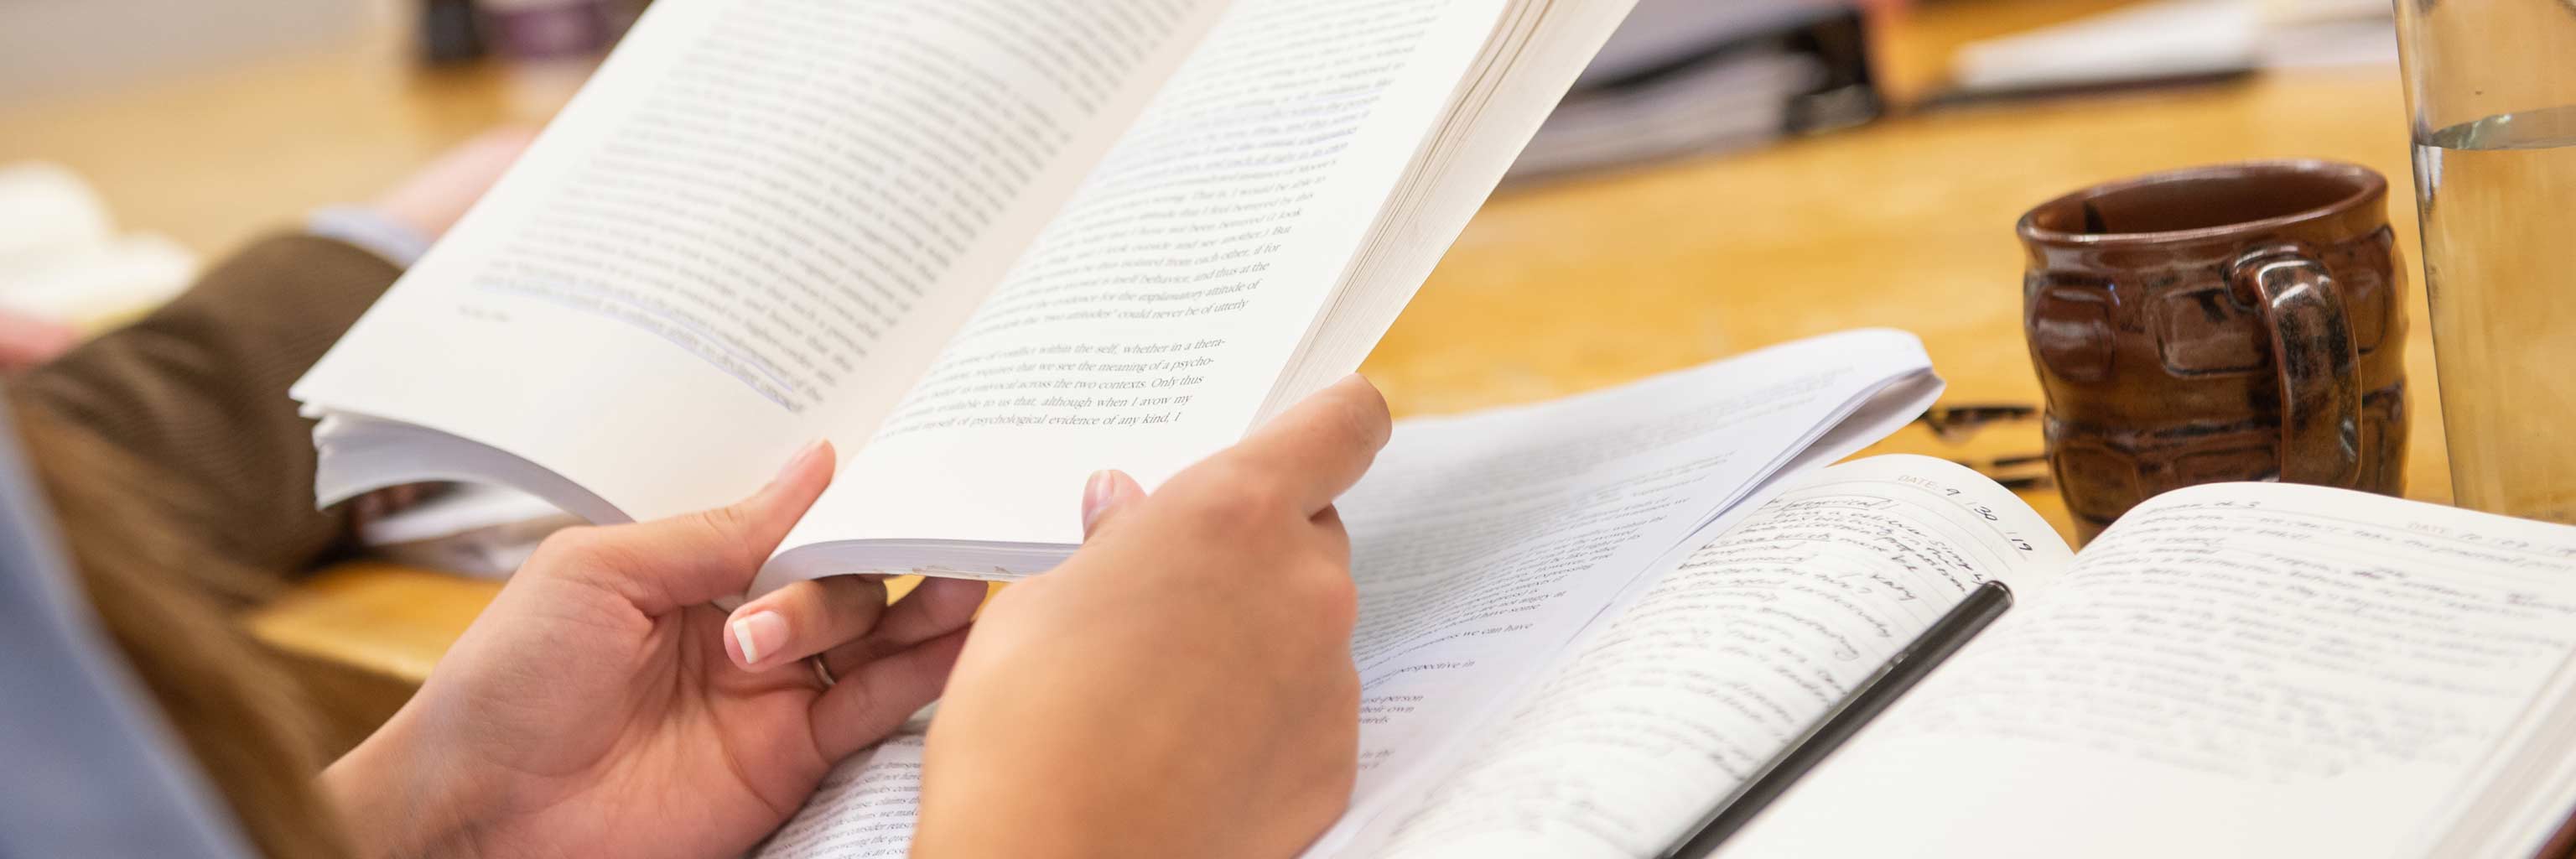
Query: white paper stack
{"points": [[471, 529]]}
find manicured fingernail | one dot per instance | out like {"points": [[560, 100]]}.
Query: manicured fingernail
{"points": [[759, 634], [1096, 495]]}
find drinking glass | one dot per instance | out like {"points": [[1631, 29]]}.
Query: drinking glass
{"points": [[2491, 85]]}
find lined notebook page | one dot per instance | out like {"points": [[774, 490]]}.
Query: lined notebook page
{"points": [[1728, 657], [1482, 544], [2232, 670]]}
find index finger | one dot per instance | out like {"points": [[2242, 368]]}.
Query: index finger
{"points": [[1322, 445]]}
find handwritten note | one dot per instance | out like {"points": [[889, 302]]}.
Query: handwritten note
{"points": [[2237, 670], [2277, 643], [1727, 658], [1482, 544]]}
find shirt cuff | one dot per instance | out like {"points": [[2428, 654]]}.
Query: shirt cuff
{"points": [[370, 231]]}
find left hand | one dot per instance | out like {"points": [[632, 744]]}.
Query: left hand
{"points": [[26, 341], [601, 707], [437, 196]]}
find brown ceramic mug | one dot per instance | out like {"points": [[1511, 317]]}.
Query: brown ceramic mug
{"points": [[2234, 322]]}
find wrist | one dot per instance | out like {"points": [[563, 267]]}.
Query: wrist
{"points": [[390, 235], [397, 799]]}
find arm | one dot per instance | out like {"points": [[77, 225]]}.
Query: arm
{"points": [[196, 394]]}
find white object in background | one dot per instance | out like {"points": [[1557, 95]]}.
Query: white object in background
{"points": [[98, 285], [2344, 42], [61, 257], [1662, 33], [473, 529], [1738, 103], [47, 208], [2180, 39], [2305, 11], [1689, 76], [2173, 39]]}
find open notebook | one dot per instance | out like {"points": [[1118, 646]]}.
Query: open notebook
{"points": [[2236, 670], [986, 246]]}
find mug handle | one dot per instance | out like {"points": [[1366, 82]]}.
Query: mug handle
{"points": [[2312, 348]]}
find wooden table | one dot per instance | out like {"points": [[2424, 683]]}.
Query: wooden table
{"points": [[1552, 290]]}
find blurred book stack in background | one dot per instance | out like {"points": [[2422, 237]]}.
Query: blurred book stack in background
{"points": [[1685, 77]]}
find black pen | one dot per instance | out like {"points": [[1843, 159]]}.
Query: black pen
{"points": [[1865, 702]]}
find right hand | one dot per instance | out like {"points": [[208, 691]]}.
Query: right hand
{"points": [[1183, 685]]}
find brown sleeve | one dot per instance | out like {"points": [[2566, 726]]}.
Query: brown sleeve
{"points": [[195, 394]]}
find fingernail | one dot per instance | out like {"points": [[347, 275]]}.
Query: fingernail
{"points": [[1096, 495], [759, 634]]}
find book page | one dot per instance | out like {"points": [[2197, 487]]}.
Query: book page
{"points": [[1711, 672], [1152, 316], [1481, 544], [2230, 670], [864, 809], [751, 230], [1528, 67]]}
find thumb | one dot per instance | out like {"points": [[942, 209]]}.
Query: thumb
{"points": [[685, 560], [1105, 495]]}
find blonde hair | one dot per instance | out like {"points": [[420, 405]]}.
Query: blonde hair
{"points": [[167, 603]]}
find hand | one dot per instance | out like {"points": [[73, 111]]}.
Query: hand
{"points": [[600, 707], [434, 199], [26, 341], [1183, 685]]}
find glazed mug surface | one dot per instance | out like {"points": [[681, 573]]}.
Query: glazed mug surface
{"points": [[2233, 322]]}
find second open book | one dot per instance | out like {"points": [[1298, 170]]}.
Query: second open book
{"points": [[1584, 623]]}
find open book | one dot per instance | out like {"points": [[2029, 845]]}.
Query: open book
{"points": [[1484, 544], [2247, 670], [2235, 670], [986, 246]]}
